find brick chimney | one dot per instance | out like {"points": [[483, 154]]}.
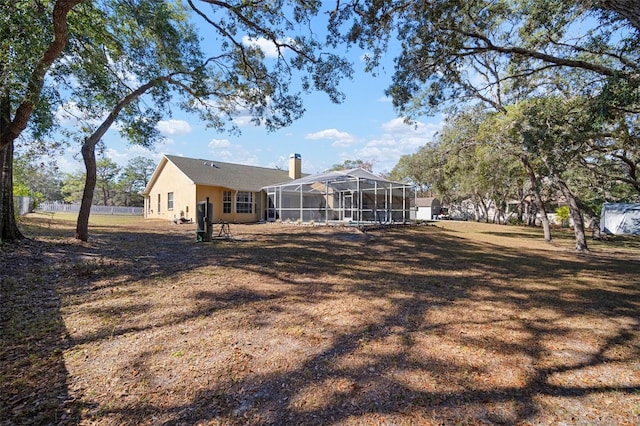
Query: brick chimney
{"points": [[295, 166]]}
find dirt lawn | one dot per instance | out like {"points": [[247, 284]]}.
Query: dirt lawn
{"points": [[452, 323]]}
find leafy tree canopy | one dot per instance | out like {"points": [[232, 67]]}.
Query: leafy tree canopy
{"points": [[352, 164], [453, 51], [123, 61]]}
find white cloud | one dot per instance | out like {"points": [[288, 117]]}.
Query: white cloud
{"points": [[282, 163], [242, 117], [141, 151], [366, 57], [399, 125], [267, 46], [224, 150], [70, 114], [68, 164], [224, 155], [122, 68], [219, 143], [236, 154], [119, 157], [397, 139], [241, 114], [340, 139], [174, 127], [165, 142]]}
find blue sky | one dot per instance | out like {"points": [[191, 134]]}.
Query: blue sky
{"points": [[365, 126]]}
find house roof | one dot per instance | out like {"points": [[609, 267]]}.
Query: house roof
{"points": [[227, 175], [335, 175]]}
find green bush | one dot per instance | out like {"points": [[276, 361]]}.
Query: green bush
{"points": [[514, 221], [563, 214]]}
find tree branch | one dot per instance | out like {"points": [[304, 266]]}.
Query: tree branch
{"points": [[270, 35], [489, 46], [36, 82]]}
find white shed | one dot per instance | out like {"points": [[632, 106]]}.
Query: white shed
{"points": [[620, 218], [427, 208]]}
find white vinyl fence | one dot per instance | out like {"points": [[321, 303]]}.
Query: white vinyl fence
{"points": [[21, 205], [75, 208]]}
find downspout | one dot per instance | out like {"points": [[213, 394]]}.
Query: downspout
{"points": [[375, 201], [301, 206], [234, 205], [404, 205], [389, 203], [279, 198], [326, 202], [259, 203], [358, 210]]}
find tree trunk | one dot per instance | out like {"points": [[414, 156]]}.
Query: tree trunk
{"points": [[532, 212], [535, 187], [630, 9], [89, 157], [476, 211], [595, 219], [576, 214], [10, 129], [485, 209], [521, 205], [596, 233], [105, 195], [8, 227]]}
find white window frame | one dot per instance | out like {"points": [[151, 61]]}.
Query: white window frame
{"points": [[227, 202], [244, 202], [169, 201]]}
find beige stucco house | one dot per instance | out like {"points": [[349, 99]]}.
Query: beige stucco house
{"points": [[178, 184]]}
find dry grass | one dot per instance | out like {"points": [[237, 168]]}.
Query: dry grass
{"points": [[459, 323]]}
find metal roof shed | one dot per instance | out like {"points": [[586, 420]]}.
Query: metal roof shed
{"points": [[352, 196], [620, 218]]}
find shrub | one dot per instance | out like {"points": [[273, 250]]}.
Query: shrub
{"points": [[562, 213]]}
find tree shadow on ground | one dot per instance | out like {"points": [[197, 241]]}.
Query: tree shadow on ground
{"points": [[33, 375], [382, 366], [372, 388]]}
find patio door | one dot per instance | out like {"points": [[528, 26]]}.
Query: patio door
{"points": [[347, 206], [272, 213]]}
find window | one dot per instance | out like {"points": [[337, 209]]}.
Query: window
{"points": [[226, 202], [244, 202], [158, 203], [170, 201]]}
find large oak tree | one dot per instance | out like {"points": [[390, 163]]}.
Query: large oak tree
{"points": [[455, 53], [235, 74], [127, 59], [33, 34]]}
